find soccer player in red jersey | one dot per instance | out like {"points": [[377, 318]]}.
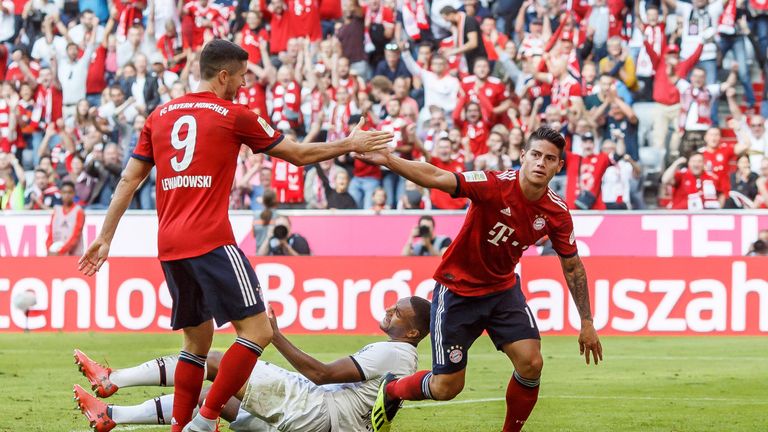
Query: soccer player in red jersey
{"points": [[477, 288], [193, 141]]}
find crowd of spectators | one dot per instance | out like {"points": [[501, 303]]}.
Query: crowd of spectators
{"points": [[661, 102]]}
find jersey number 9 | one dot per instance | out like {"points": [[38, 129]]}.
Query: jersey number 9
{"points": [[188, 143]]}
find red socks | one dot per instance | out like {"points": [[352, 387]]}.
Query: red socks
{"points": [[188, 380], [234, 370], [522, 394], [412, 387]]}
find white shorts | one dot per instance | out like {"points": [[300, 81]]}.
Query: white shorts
{"points": [[276, 399]]}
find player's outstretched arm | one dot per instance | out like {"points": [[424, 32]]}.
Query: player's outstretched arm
{"points": [[358, 141], [576, 278], [343, 370], [132, 177], [422, 173]]}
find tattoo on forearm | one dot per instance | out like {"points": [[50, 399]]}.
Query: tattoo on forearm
{"points": [[576, 277]]}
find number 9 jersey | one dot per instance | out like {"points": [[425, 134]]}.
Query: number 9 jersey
{"points": [[194, 142]]}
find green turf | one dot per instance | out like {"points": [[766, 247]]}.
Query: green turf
{"points": [[646, 384]]}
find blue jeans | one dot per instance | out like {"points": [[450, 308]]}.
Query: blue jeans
{"points": [[394, 186], [361, 189], [736, 43], [759, 25], [710, 66]]}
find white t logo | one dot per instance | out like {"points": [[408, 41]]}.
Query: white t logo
{"points": [[501, 232]]}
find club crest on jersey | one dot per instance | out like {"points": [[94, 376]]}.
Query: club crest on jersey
{"points": [[539, 223], [456, 354], [267, 128], [474, 176]]}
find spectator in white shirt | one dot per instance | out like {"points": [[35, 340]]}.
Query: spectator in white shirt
{"points": [[80, 33], [7, 21], [137, 41], [73, 73], [441, 89]]}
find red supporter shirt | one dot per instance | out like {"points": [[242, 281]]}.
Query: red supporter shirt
{"points": [[252, 40], [695, 193], [15, 76], [96, 83], [586, 173], [194, 142], [441, 200], [492, 88], [254, 97], [718, 162], [304, 19], [500, 225]]}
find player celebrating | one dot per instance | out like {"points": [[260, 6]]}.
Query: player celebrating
{"points": [[477, 288], [339, 393], [194, 141]]}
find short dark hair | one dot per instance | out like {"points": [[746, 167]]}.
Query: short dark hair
{"points": [[218, 55], [547, 134], [427, 218], [40, 170], [421, 315], [67, 183], [448, 10]]}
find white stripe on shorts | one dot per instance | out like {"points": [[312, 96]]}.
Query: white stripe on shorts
{"points": [[439, 354], [530, 317], [249, 286], [239, 275]]}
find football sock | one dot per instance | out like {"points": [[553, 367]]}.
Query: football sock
{"points": [[154, 372], [412, 387], [234, 370], [189, 375], [153, 411], [522, 394]]}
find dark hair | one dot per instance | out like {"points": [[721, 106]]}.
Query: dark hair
{"points": [[650, 6], [760, 247], [427, 218], [67, 183], [547, 134], [40, 170], [421, 315], [700, 68], [448, 10], [218, 55]]}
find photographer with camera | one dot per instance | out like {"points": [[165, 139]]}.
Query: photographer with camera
{"points": [[280, 241], [429, 244]]}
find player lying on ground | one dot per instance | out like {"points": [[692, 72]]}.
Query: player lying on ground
{"points": [[193, 142], [477, 288], [323, 396]]}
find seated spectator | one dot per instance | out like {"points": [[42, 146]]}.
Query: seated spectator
{"points": [[497, 158], [620, 178], [106, 169], [413, 198], [696, 99], [441, 157], [743, 186], [422, 240], [692, 187], [12, 183], [619, 64], [42, 195], [65, 234], [337, 196], [281, 241], [83, 182], [379, 200], [391, 66]]}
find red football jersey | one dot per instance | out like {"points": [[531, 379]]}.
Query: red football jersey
{"points": [[718, 162], [194, 142], [695, 193], [500, 225]]}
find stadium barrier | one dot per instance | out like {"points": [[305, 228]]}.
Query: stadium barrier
{"points": [[644, 296], [362, 233]]}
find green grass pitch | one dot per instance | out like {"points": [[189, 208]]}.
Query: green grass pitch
{"points": [[645, 384]]}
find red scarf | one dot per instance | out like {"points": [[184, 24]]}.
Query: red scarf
{"points": [[415, 19], [727, 23]]}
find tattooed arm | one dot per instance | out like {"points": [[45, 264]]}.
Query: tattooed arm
{"points": [[576, 277]]}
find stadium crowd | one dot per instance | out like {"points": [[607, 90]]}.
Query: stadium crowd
{"points": [[661, 103]]}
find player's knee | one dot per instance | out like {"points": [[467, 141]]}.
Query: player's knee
{"points": [[531, 366], [444, 390]]}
